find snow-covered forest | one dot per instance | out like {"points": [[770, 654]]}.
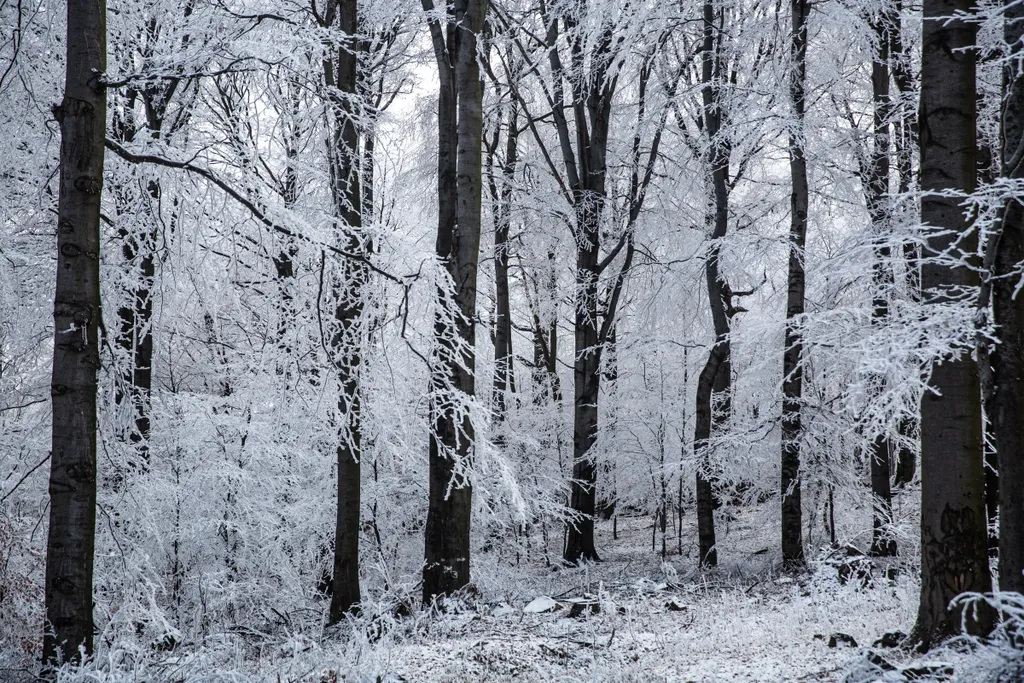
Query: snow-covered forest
{"points": [[569, 340]]}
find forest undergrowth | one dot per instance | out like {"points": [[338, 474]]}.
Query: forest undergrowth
{"points": [[634, 616]]}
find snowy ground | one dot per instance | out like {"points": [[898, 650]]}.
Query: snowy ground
{"points": [[743, 622], [644, 619], [657, 621]]}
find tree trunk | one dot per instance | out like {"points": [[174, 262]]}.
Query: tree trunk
{"points": [[1007, 406], [138, 248], [136, 333], [991, 459], [591, 107], [346, 341], [545, 339], [876, 190], [284, 261], [579, 543], [460, 134], [792, 366], [76, 316], [501, 197], [705, 493], [905, 142], [716, 378], [987, 170], [954, 558]]}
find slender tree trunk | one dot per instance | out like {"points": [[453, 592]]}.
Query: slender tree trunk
{"points": [[284, 261], [954, 556], [987, 170], [346, 342], [551, 359], [905, 142], [716, 378], [605, 507], [876, 189], [135, 335], [545, 340], [76, 316], [591, 106], [138, 248], [682, 455], [792, 366], [446, 547], [586, 383], [705, 493], [882, 543], [460, 136], [991, 459], [136, 316], [1007, 406], [502, 198]]}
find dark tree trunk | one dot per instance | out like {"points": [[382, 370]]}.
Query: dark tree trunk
{"points": [[987, 171], [545, 342], [792, 365], [706, 385], [715, 379], [284, 261], [882, 543], [586, 382], [138, 247], [879, 203], [76, 316], [906, 458], [551, 360], [991, 458], [135, 335], [591, 83], [905, 143], [549, 338], [501, 198], [460, 135], [591, 106], [954, 557], [1007, 405], [346, 342]]}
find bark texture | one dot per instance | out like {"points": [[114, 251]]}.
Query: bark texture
{"points": [[954, 556], [76, 316], [460, 143], [792, 364]]}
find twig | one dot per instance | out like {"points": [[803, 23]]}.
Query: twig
{"points": [[24, 477], [23, 405]]}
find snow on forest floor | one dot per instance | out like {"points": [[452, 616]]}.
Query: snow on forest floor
{"points": [[656, 621], [742, 622]]}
